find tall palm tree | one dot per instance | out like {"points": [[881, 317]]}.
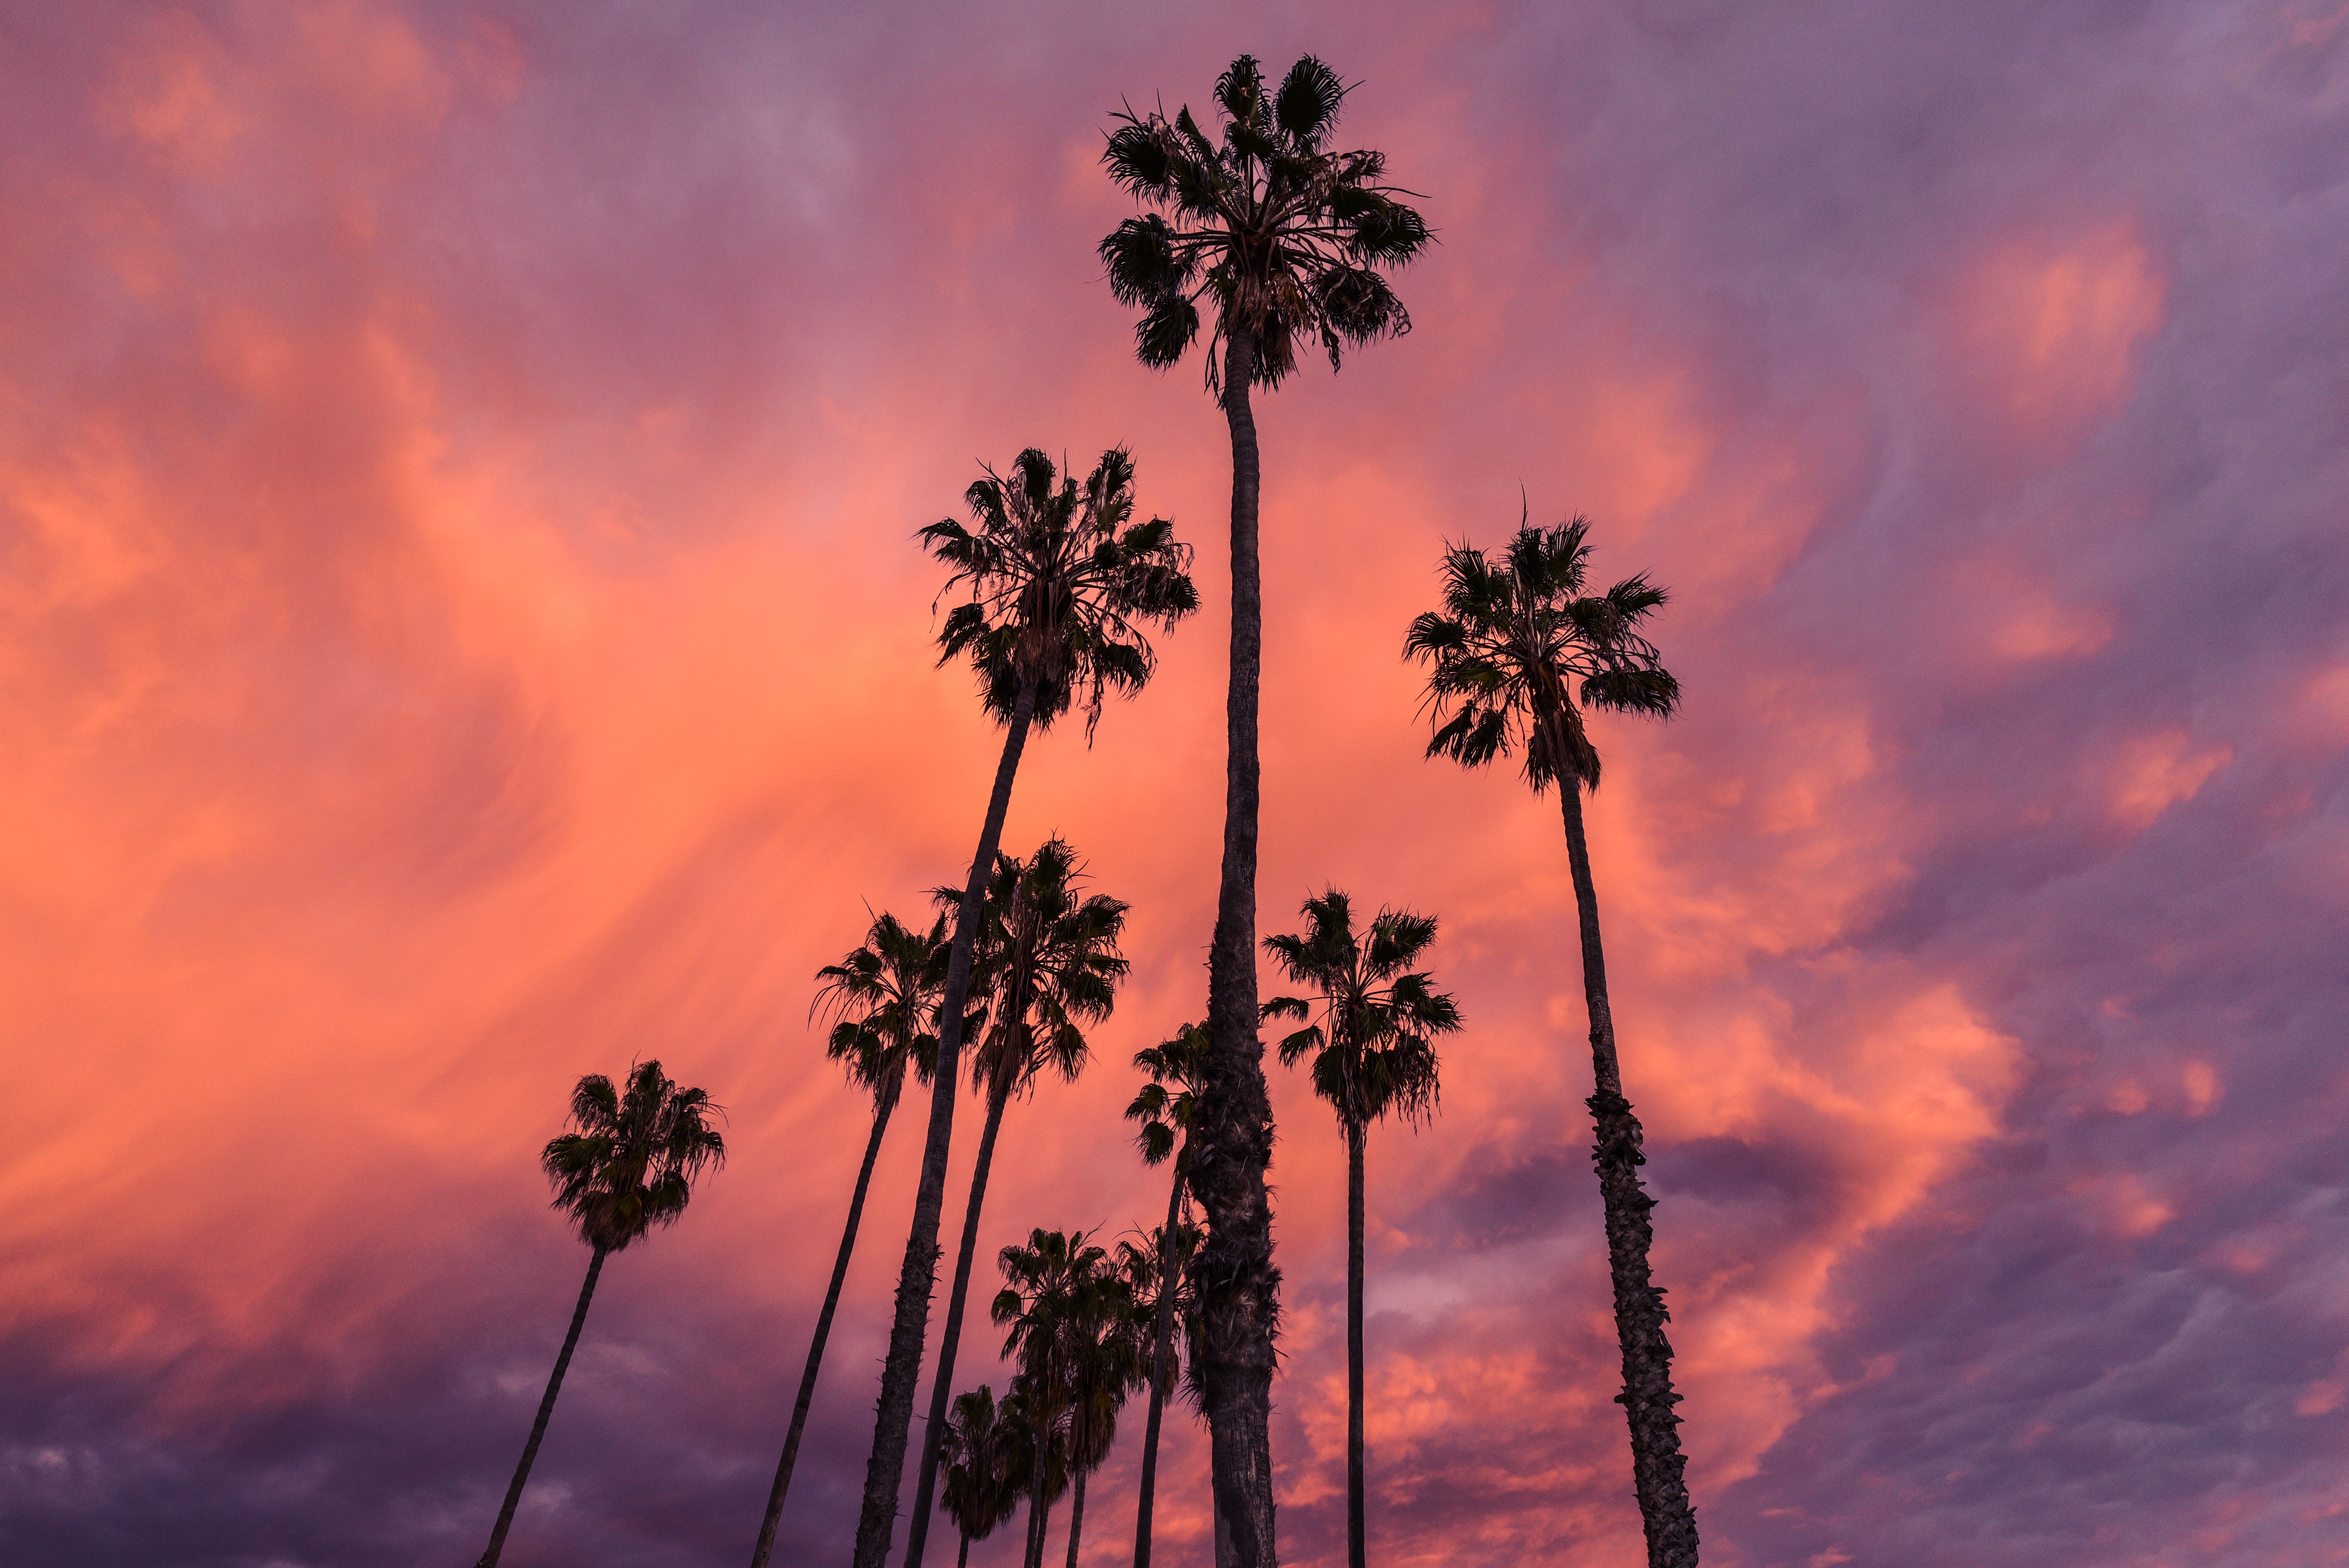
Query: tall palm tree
{"points": [[1373, 1054], [1034, 1425], [984, 1453], [1066, 1308], [1062, 584], [1107, 1361], [883, 999], [1048, 956], [1517, 654], [629, 1165], [1153, 1270], [1284, 237], [1164, 1108]]}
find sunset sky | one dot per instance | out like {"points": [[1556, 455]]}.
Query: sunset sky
{"points": [[461, 629]]}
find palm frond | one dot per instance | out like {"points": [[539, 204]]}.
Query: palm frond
{"points": [[1307, 104]]}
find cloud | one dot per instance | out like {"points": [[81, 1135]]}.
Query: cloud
{"points": [[459, 630]]}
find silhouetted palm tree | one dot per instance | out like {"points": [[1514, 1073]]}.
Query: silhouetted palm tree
{"points": [[1518, 653], [1033, 1425], [1069, 1315], [1284, 238], [1062, 583], [1145, 1266], [630, 1165], [984, 1453], [1164, 1108], [1373, 1054], [1048, 957], [883, 999], [1107, 1361]]}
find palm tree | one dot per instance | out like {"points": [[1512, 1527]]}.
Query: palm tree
{"points": [[985, 1451], [1285, 238], [1034, 1425], [884, 1001], [1517, 654], [1061, 584], [630, 1165], [1067, 1310], [1374, 1053], [1048, 959], [1106, 1363], [1164, 1108]]}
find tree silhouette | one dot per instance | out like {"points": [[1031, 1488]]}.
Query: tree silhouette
{"points": [[1164, 1108], [1517, 654], [1284, 238], [883, 998], [1061, 584], [986, 1458], [1049, 965], [1373, 1054], [1069, 1315], [630, 1165]]}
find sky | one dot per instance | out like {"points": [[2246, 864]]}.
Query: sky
{"points": [[461, 629]]}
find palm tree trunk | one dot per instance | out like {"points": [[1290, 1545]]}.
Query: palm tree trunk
{"points": [[934, 1437], [962, 1558], [1038, 1508], [1076, 1514], [545, 1409], [783, 1486], [902, 1371], [1161, 1369], [1639, 1315], [1231, 1126], [1355, 1138]]}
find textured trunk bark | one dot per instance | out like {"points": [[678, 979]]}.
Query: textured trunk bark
{"points": [[775, 1495], [1355, 1138], [1161, 1370], [901, 1372], [917, 1528], [1231, 1129], [545, 1409], [1639, 1315], [1076, 1515]]}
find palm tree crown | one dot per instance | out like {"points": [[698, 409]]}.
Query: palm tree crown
{"points": [[1373, 1048], [1163, 1105], [1068, 1314], [1515, 636], [1142, 1265], [883, 999], [1048, 964], [986, 1456], [632, 1163], [1060, 585], [1283, 234]]}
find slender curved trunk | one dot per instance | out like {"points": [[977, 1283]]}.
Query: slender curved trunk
{"points": [[917, 1528], [1161, 1369], [1076, 1514], [1639, 1315], [962, 1558], [1231, 1128], [1356, 1135], [1038, 1505], [783, 1486], [545, 1409], [901, 1372]]}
